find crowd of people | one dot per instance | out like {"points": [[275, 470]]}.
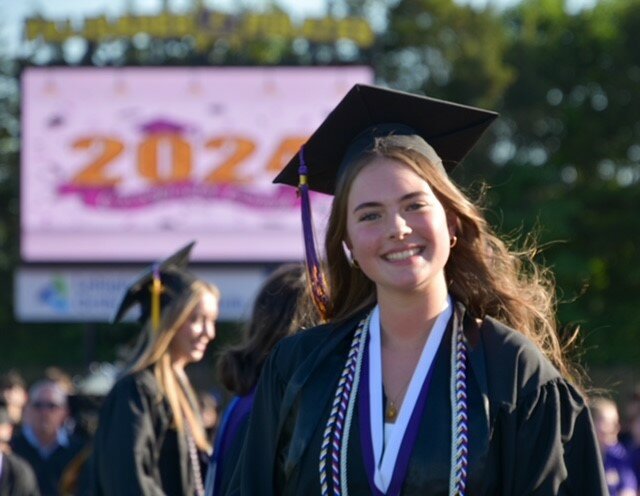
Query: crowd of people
{"points": [[421, 357]]}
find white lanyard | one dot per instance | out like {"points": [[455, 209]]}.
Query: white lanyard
{"points": [[385, 456]]}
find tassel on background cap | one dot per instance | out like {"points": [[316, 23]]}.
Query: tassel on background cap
{"points": [[156, 290], [156, 287]]}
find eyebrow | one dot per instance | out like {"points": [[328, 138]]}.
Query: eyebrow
{"points": [[408, 196]]}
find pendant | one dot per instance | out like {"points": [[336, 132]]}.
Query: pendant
{"points": [[391, 413]]}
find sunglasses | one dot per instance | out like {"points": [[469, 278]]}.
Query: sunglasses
{"points": [[45, 405]]}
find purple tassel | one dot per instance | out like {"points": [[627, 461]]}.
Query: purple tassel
{"points": [[318, 285]]}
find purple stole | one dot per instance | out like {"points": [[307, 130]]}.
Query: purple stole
{"points": [[408, 440]]}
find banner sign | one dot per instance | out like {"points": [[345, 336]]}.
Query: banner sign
{"points": [[206, 27], [92, 294], [125, 164]]}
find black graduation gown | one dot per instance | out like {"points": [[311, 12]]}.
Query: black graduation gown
{"points": [[530, 431], [17, 477], [136, 451]]}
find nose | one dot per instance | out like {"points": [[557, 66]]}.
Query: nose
{"points": [[399, 227], [210, 329]]}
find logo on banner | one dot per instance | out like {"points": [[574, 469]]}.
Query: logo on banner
{"points": [[55, 294]]}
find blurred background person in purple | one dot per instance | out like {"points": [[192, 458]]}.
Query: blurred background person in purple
{"points": [[619, 475], [283, 306]]}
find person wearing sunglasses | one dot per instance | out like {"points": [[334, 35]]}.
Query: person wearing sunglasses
{"points": [[43, 441]]}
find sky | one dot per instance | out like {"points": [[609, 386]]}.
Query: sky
{"points": [[13, 12]]}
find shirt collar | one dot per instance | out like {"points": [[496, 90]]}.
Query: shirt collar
{"points": [[62, 439]]}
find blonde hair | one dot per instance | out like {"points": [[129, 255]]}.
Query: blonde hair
{"points": [[153, 351], [482, 272]]}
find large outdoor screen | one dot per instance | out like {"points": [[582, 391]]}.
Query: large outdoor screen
{"points": [[126, 164]]}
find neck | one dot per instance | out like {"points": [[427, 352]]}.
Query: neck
{"points": [[178, 367], [46, 439], [406, 322]]}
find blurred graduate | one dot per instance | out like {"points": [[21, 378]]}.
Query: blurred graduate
{"points": [[150, 433], [439, 371]]}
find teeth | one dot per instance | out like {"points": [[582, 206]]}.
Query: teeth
{"points": [[403, 255]]}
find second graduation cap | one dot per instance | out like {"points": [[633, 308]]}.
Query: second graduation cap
{"points": [[164, 281], [367, 112]]}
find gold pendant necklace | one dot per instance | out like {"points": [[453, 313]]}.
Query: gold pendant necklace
{"points": [[393, 406], [391, 413]]}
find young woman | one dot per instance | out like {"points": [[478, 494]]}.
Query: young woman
{"points": [[150, 430], [440, 371], [282, 307]]}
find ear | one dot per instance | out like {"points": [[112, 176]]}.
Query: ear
{"points": [[453, 224], [347, 252]]}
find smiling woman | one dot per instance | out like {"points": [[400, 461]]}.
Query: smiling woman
{"points": [[150, 429], [440, 371]]}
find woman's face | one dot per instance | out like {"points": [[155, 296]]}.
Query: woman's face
{"points": [[397, 228], [191, 339]]}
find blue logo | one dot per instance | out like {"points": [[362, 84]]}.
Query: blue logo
{"points": [[56, 294]]}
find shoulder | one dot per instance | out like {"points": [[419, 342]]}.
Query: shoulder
{"points": [[516, 367], [310, 342], [142, 381], [21, 470], [17, 464], [134, 391], [306, 346], [618, 452]]}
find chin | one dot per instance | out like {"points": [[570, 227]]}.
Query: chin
{"points": [[196, 356]]}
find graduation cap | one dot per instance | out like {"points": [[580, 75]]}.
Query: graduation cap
{"points": [[350, 130], [157, 286], [367, 112]]}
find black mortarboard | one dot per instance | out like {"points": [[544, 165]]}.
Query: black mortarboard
{"points": [[165, 279], [450, 128]]}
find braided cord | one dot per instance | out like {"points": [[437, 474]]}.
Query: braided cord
{"points": [[195, 463], [459, 427], [330, 450], [351, 405]]}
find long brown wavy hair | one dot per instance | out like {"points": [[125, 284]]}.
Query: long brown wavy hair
{"points": [[153, 351], [482, 271], [283, 307]]}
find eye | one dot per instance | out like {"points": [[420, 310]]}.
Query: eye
{"points": [[416, 206], [368, 216]]}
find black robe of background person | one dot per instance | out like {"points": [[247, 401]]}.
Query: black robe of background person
{"points": [[17, 477], [136, 451], [530, 432]]}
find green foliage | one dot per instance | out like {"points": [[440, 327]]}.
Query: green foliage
{"points": [[564, 157]]}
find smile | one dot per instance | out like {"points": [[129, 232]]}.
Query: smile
{"points": [[402, 255]]}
